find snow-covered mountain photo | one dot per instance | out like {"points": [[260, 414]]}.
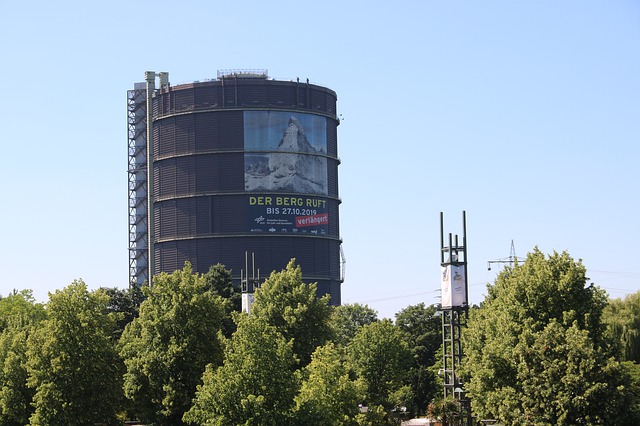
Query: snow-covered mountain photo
{"points": [[295, 165]]}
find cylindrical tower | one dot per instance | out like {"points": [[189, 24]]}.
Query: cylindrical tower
{"points": [[245, 163]]}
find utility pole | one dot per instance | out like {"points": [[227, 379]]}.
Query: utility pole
{"points": [[511, 260]]}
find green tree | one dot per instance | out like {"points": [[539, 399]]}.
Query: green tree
{"points": [[328, 396], [567, 380], [125, 304], [72, 362], [166, 349], [19, 316], [447, 410], [633, 370], [422, 330], [255, 385], [622, 317], [15, 396], [380, 357], [218, 281], [347, 319], [19, 308], [376, 416], [291, 306], [524, 348]]}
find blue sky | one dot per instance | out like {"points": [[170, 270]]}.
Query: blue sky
{"points": [[525, 114]]}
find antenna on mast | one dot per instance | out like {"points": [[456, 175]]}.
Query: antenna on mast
{"points": [[248, 285]]}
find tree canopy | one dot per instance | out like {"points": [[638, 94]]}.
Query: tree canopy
{"points": [[422, 330], [622, 317], [20, 308], [328, 395], [72, 361], [124, 304], [256, 383], [380, 357], [20, 315], [525, 346], [546, 347], [218, 280], [347, 319], [167, 348], [293, 307]]}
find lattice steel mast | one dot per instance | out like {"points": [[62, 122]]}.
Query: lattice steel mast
{"points": [[137, 170], [140, 138], [455, 311]]}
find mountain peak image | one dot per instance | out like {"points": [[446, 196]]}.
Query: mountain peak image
{"points": [[294, 167], [294, 138]]}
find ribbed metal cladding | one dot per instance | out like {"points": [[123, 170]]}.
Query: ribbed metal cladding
{"points": [[219, 190]]}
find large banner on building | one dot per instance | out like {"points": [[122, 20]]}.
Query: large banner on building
{"points": [[285, 152], [285, 214], [452, 285]]}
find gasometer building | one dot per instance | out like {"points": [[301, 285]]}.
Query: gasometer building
{"points": [[234, 165]]}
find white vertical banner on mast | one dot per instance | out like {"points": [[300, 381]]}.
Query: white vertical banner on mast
{"points": [[247, 301], [452, 284]]}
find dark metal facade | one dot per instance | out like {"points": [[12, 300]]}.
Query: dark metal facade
{"points": [[206, 212]]}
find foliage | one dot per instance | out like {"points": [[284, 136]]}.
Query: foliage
{"points": [[422, 330], [380, 357], [347, 319], [256, 383], [622, 317], [72, 362], [167, 347], [328, 396], [15, 396], [568, 381], [218, 281], [291, 306], [540, 350], [525, 348], [19, 316], [124, 305], [20, 308], [634, 372], [448, 410], [376, 415]]}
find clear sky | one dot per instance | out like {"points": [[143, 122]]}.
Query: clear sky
{"points": [[525, 114]]}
